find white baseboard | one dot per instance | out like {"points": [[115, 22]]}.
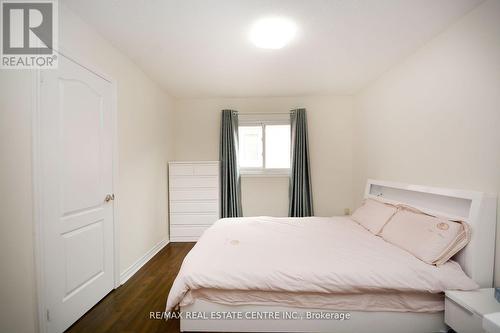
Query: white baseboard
{"points": [[129, 272]]}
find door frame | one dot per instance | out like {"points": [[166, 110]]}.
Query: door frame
{"points": [[38, 223]]}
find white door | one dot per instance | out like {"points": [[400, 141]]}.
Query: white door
{"points": [[76, 176]]}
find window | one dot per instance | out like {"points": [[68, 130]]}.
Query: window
{"points": [[277, 146], [264, 148], [250, 149]]}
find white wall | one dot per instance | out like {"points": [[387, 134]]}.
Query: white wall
{"points": [[145, 146], [17, 290], [435, 118], [197, 125]]}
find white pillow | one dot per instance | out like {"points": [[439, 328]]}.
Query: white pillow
{"points": [[433, 240], [373, 215]]}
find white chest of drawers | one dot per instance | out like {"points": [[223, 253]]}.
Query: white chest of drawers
{"points": [[194, 198]]}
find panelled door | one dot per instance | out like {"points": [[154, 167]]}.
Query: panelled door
{"points": [[76, 186]]}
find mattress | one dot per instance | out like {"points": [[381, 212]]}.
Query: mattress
{"points": [[265, 259], [394, 302]]}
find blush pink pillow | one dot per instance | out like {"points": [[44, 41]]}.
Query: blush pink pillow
{"points": [[373, 215], [432, 239]]}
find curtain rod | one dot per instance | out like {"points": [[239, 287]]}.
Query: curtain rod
{"points": [[262, 113]]}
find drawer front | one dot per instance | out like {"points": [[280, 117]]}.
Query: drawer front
{"points": [[187, 231], [206, 169], [194, 207], [181, 169], [194, 182], [190, 219], [194, 194], [460, 319]]}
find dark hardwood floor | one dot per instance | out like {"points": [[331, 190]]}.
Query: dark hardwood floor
{"points": [[127, 308]]}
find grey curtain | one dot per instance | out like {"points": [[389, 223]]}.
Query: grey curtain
{"points": [[300, 190], [230, 174]]}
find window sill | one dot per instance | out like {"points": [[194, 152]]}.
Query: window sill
{"points": [[262, 173]]}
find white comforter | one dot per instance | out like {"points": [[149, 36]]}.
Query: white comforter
{"points": [[324, 255]]}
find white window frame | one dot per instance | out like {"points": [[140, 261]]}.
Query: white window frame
{"points": [[263, 171]]}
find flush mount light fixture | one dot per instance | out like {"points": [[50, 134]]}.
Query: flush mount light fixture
{"points": [[272, 32]]}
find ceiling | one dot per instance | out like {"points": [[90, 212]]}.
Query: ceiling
{"points": [[200, 48]]}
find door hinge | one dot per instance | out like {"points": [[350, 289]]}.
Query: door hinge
{"points": [[48, 315]]}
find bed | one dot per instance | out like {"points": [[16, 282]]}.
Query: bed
{"points": [[330, 274]]}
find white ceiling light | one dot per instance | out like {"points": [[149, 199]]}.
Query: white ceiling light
{"points": [[272, 32]]}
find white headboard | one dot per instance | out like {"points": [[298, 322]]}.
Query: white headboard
{"points": [[478, 209]]}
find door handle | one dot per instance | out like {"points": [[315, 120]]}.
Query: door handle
{"points": [[109, 197]]}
